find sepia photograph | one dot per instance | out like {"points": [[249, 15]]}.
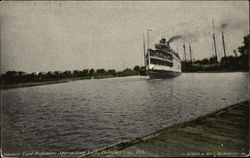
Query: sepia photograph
{"points": [[124, 79]]}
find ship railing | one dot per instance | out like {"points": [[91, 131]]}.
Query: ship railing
{"points": [[161, 62], [167, 57]]}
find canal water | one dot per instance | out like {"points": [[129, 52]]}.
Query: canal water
{"points": [[86, 115]]}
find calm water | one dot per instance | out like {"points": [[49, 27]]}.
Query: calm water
{"points": [[90, 114]]}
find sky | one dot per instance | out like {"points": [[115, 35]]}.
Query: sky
{"points": [[49, 36]]}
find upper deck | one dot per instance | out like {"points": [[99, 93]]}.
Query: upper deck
{"points": [[163, 50]]}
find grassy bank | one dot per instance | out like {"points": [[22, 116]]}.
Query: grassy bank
{"points": [[40, 83], [17, 79], [56, 81], [37, 83], [30, 84]]}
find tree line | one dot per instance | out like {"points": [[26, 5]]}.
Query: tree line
{"points": [[228, 63], [13, 77]]}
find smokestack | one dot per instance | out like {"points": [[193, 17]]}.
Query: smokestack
{"points": [[185, 52], [174, 38], [163, 40], [190, 51], [223, 43]]}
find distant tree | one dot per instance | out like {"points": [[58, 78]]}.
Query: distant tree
{"points": [[57, 75], [244, 51], [42, 76], [11, 76], [103, 71], [76, 73], [3, 78], [213, 60], [230, 63], [67, 73], [128, 72], [197, 62], [85, 72], [111, 72], [100, 71], [91, 71], [31, 77], [50, 75], [231, 60], [21, 75], [143, 70], [204, 61], [137, 68]]}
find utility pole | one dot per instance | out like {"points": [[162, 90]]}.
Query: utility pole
{"points": [[223, 43], [190, 51], [148, 37], [184, 52], [215, 49]]}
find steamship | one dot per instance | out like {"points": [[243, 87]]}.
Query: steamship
{"points": [[163, 62]]}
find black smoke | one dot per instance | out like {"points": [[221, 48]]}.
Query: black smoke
{"points": [[175, 38], [233, 25], [223, 26], [187, 37]]}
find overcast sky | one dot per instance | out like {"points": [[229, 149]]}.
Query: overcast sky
{"points": [[49, 36]]}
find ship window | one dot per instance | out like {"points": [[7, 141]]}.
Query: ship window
{"points": [[161, 62]]}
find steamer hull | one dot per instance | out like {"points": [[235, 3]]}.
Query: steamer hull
{"points": [[162, 74], [163, 62]]}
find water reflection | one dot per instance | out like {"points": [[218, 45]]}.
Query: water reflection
{"points": [[90, 114]]}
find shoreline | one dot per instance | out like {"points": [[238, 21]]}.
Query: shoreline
{"points": [[215, 71], [224, 132], [41, 83], [31, 84]]}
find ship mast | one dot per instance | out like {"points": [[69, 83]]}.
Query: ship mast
{"points": [[215, 49], [190, 51], [184, 52], [144, 51], [148, 37], [148, 48], [235, 53], [223, 42]]}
